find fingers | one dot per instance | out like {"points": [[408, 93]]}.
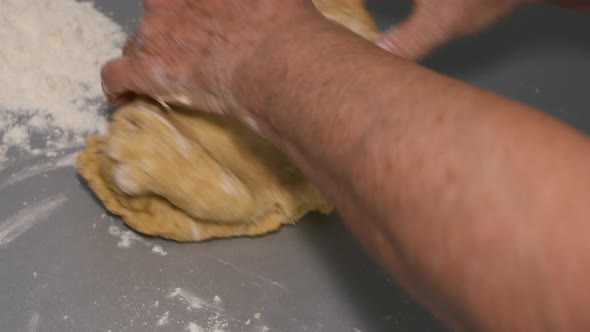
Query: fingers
{"points": [[417, 36], [125, 78], [433, 24], [131, 44], [118, 84]]}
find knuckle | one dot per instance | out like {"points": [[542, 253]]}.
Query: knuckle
{"points": [[150, 29], [130, 45], [107, 71], [146, 27]]}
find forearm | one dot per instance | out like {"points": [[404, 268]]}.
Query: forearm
{"points": [[477, 204]]}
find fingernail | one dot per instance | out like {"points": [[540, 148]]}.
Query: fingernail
{"points": [[108, 93]]}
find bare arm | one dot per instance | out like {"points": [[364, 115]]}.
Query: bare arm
{"points": [[478, 204]]}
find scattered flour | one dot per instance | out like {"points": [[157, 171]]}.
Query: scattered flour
{"points": [[211, 316], [25, 219], [126, 238], [217, 323], [164, 319], [16, 135], [192, 300], [68, 160], [50, 59], [250, 273], [193, 327], [158, 250], [33, 324]]}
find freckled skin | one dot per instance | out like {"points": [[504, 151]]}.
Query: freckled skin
{"points": [[451, 176], [440, 118], [477, 204]]}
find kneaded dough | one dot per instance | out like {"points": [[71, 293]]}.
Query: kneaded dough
{"points": [[187, 175], [352, 14]]}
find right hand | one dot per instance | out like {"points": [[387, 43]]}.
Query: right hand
{"points": [[190, 51]]}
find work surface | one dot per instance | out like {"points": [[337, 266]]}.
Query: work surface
{"points": [[80, 269]]}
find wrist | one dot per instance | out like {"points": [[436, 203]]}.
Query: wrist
{"points": [[281, 63]]}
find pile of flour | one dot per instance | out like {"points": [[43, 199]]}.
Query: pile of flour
{"points": [[50, 60]]}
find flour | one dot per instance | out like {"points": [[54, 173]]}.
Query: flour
{"points": [[164, 319], [68, 160], [192, 300], [159, 250], [25, 219], [193, 327], [50, 59], [33, 324], [126, 238]]}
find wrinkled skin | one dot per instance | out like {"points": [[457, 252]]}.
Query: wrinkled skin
{"points": [[202, 50], [193, 50]]}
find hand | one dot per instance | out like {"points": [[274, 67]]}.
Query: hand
{"points": [[188, 51], [436, 22]]}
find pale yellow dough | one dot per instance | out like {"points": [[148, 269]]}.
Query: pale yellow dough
{"points": [[190, 176]]}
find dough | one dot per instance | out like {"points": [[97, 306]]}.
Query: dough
{"points": [[350, 13], [187, 175]]}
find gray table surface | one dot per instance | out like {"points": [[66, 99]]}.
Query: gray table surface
{"points": [[80, 269]]}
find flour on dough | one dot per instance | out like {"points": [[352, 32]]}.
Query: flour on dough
{"points": [[190, 176]]}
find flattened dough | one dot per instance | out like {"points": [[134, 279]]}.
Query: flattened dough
{"points": [[190, 176]]}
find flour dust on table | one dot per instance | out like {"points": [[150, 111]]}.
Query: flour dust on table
{"points": [[28, 217], [50, 60]]}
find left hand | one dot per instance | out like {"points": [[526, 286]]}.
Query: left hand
{"points": [[436, 22]]}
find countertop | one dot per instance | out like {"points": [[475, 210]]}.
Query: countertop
{"points": [[77, 268]]}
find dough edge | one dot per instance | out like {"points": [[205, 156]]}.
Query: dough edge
{"points": [[176, 225], [159, 217]]}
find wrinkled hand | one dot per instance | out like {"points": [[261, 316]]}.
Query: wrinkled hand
{"points": [[436, 22], [189, 51]]}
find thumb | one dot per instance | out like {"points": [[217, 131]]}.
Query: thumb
{"points": [[418, 35]]}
